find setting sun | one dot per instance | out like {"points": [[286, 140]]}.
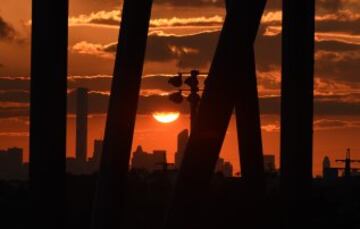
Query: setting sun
{"points": [[166, 117]]}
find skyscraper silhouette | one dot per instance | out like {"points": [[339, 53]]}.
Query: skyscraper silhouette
{"points": [[182, 140], [48, 112], [81, 123], [119, 130], [297, 107], [232, 66]]}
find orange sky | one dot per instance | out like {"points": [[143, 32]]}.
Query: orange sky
{"points": [[183, 36]]}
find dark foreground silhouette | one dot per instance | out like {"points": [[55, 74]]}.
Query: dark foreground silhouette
{"points": [[334, 204]]}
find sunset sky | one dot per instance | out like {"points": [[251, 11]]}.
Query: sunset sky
{"points": [[183, 36]]}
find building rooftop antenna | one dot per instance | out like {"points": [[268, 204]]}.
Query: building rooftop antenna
{"points": [[348, 162]]}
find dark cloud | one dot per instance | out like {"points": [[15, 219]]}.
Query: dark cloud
{"points": [[325, 124], [11, 112], [343, 66], [326, 6], [322, 6], [341, 21], [330, 5], [191, 51], [103, 83], [191, 3], [93, 83], [176, 3], [197, 50], [336, 5], [346, 26], [332, 16], [336, 107], [96, 4], [161, 82], [156, 82], [274, 5], [14, 83], [336, 46], [335, 59], [323, 105], [7, 32], [98, 102], [14, 96]]}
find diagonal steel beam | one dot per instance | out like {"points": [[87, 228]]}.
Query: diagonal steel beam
{"points": [[234, 51], [119, 130], [297, 104], [48, 113]]}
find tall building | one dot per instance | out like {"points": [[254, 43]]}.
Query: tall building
{"points": [[81, 123], [182, 140]]}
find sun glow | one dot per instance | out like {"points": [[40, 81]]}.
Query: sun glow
{"points": [[166, 117]]}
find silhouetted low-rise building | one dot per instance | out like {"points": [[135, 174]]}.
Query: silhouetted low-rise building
{"points": [[228, 169], [329, 173], [219, 168], [142, 160], [159, 159], [78, 166], [94, 161], [224, 167], [11, 164], [269, 163]]}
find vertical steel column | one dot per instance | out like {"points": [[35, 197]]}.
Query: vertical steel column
{"points": [[119, 130], [215, 110], [297, 103], [48, 112]]}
